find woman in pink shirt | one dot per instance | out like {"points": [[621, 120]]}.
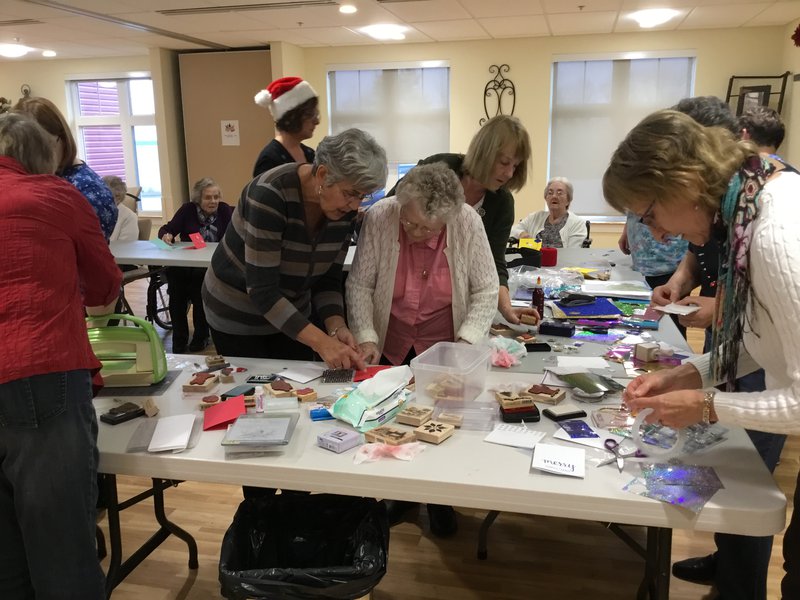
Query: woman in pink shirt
{"points": [[423, 270]]}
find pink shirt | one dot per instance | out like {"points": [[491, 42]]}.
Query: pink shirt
{"points": [[422, 300]]}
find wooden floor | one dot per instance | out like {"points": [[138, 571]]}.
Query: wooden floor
{"points": [[529, 557]]}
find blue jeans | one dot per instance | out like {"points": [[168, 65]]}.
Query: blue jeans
{"points": [[48, 489], [743, 561]]}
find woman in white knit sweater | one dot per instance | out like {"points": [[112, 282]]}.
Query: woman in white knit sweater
{"points": [[684, 179], [423, 270], [556, 227]]}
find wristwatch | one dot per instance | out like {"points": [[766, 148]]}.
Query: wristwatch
{"points": [[708, 402]]}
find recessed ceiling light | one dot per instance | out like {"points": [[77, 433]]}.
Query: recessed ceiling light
{"points": [[653, 16], [347, 9], [385, 31], [49, 53], [13, 50]]}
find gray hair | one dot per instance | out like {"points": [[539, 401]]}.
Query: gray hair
{"points": [[355, 157], [567, 184], [435, 188], [27, 142], [199, 186], [117, 187]]}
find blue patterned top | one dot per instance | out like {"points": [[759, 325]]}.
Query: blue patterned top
{"points": [[651, 257], [91, 185]]}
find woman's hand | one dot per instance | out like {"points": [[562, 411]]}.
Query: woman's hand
{"points": [[370, 352], [701, 318], [512, 314], [673, 409], [623, 241], [344, 335], [684, 377], [168, 238], [665, 294], [338, 355]]}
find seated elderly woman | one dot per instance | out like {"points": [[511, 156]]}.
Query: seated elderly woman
{"points": [[208, 215], [127, 227], [556, 227], [423, 270]]}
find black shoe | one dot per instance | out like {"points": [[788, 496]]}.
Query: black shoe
{"points": [[396, 510], [443, 520], [696, 570], [197, 345]]}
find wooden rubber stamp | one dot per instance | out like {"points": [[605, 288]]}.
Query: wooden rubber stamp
{"points": [[453, 419], [434, 432], [216, 360], [528, 320], [280, 388], [201, 382], [390, 435], [414, 415], [306, 395], [548, 395], [226, 375], [209, 401]]}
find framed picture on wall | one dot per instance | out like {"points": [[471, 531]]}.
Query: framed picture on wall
{"points": [[752, 96]]}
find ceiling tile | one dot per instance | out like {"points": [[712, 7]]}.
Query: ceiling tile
{"points": [[582, 23], [507, 8], [712, 17], [574, 6], [516, 26], [633, 5], [626, 24], [321, 16], [427, 10], [466, 29], [779, 13], [190, 24]]}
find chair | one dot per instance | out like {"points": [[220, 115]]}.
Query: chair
{"points": [[587, 243]]}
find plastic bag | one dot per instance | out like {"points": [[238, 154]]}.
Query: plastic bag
{"points": [[303, 547], [554, 281]]}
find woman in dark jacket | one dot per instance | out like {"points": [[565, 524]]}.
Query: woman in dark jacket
{"points": [[209, 216]]}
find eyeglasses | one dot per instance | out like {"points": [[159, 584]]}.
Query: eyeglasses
{"points": [[355, 195], [410, 225], [647, 217], [559, 193]]}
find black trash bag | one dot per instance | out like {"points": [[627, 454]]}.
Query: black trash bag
{"points": [[299, 547], [528, 257]]}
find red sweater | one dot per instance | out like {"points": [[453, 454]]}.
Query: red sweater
{"points": [[54, 261]]}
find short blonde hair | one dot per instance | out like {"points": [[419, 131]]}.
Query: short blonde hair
{"points": [[669, 155], [496, 134]]}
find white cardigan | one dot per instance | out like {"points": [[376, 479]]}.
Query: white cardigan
{"points": [[370, 285], [126, 228], [774, 340], [572, 234]]}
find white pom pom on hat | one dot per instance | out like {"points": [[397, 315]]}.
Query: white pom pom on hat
{"points": [[284, 94]]}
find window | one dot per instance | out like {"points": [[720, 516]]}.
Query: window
{"points": [[116, 133], [594, 105], [406, 109]]}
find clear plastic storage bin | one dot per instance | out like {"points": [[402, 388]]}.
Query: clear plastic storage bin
{"points": [[451, 372]]}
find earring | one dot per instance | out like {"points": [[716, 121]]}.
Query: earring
{"points": [[319, 192], [697, 207]]}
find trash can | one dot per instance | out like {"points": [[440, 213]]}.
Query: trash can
{"points": [[291, 546]]}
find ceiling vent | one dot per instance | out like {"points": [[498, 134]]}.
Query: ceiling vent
{"points": [[285, 4], [17, 22]]}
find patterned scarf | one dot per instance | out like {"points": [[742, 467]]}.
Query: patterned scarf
{"points": [[738, 211], [208, 225]]}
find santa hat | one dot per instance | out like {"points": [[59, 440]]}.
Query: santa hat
{"points": [[284, 94]]}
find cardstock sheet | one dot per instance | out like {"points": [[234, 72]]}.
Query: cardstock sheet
{"points": [[223, 413], [559, 460], [171, 433], [585, 362]]}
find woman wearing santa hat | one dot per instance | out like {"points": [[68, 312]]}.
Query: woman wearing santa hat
{"points": [[293, 104]]}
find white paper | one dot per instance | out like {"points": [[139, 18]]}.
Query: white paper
{"points": [[517, 436], [559, 460], [230, 132], [303, 373], [172, 433], [638, 290], [677, 309], [587, 362]]}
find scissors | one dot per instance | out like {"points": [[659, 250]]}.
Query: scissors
{"points": [[619, 456]]}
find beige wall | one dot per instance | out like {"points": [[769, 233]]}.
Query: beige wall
{"points": [[791, 103], [720, 54]]}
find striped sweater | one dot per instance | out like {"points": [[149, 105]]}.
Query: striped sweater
{"points": [[267, 270]]}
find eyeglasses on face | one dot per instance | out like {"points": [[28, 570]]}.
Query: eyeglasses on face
{"points": [[552, 192], [352, 194], [411, 226], [648, 218]]}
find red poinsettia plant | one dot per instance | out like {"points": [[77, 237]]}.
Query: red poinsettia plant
{"points": [[796, 36]]}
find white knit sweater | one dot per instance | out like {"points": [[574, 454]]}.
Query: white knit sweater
{"points": [[572, 234], [774, 341], [370, 284]]}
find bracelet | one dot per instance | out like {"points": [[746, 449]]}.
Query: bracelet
{"points": [[335, 330], [708, 401]]}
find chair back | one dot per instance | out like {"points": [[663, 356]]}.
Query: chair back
{"points": [[145, 225], [587, 243]]}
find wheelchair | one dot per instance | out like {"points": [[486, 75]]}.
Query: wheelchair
{"points": [[157, 306]]}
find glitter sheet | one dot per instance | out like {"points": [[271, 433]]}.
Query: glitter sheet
{"points": [[687, 486], [598, 338]]}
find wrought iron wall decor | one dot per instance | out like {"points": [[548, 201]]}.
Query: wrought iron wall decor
{"points": [[498, 93], [754, 90]]}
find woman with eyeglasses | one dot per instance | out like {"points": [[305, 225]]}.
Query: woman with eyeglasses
{"points": [[556, 227], [283, 254], [294, 105], [423, 270], [699, 182]]}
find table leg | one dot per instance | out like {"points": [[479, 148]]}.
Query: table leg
{"points": [[655, 584], [483, 534]]}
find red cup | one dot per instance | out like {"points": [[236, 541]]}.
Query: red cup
{"points": [[549, 257]]}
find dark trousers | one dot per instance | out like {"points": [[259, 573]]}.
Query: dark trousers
{"points": [[185, 284], [790, 585], [48, 489], [743, 561]]}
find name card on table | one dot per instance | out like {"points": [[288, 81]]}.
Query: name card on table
{"points": [[197, 241], [559, 460]]}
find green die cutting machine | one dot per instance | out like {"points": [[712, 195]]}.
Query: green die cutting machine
{"points": [[131, 355]]}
